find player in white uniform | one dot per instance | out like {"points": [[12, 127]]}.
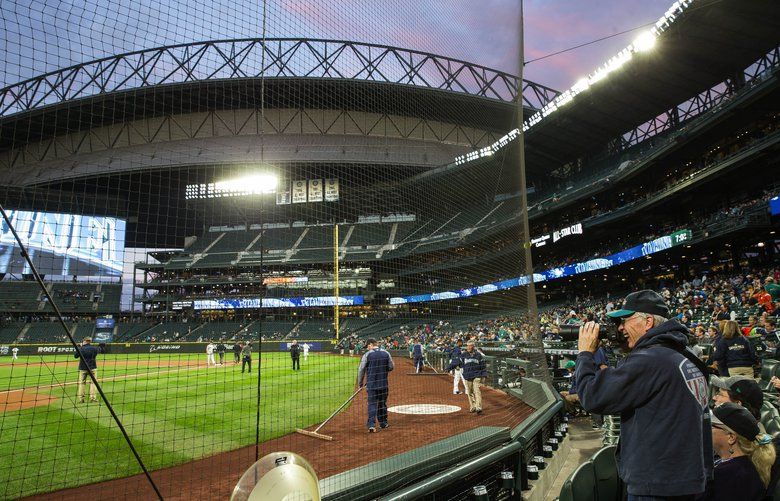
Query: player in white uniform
{"points": [[210, 355], [305, 351], [15, 352]]}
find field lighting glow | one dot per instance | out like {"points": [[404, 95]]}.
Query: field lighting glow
{"points": [[643, 43], [256, 184], [249, 185]]}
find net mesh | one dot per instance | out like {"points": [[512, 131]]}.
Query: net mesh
{"points": [[206, 189]]}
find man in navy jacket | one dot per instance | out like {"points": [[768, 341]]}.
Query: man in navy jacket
{"points": [[661, 394], [87, 363], [474, 372], [418, 353], [374, 368]]}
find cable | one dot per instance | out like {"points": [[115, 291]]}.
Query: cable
{"points": [[589, 43]]}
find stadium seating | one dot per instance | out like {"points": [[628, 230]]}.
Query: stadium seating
{"points": [[605, 470], [19, 296], [45, 332], [214, 331], [10, 331], [581, 484], [126, 331]]}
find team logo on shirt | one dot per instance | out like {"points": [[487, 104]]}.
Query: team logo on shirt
{"points": [[695, 382]]}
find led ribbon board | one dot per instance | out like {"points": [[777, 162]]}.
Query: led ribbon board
{"points": [[289, 302], [657, 245]]}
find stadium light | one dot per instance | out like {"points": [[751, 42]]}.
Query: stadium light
{"points": [[645, 41], [258, 183]]}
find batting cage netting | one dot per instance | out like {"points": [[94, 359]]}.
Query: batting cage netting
{"points": [[225, 222]]}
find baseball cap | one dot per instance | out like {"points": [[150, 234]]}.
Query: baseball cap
{"points": [[645, 301], [570, 364], [736, 418], [748, 390]]}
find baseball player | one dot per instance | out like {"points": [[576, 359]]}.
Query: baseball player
{"points": [[305, 351], [210, 355], [15, 353], [456, 367]]}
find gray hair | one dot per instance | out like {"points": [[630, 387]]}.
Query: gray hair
{"points": [[657, 319]]}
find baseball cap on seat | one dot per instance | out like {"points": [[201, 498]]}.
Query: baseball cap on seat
{"points": [[745, 387], [645, 301]]}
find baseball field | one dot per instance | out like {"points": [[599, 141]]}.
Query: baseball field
{"points": [[174, 407]]}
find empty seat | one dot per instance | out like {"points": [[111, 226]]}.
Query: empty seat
{"points": [[581, 484], [606, 473], [773, 427]]}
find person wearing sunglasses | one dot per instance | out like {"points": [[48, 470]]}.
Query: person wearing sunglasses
{"points": [[745, 456]]}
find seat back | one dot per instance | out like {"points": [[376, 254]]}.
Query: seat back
{"points": [[768, 369], [606, 473], [583, 482], [772, 426]]}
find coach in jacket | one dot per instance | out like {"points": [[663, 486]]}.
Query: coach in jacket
{"points": [[474, 372], [375, 365], [87, 363], [660, 392]]}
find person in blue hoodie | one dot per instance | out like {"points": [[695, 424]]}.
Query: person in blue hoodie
{"points": [[660, 391], [374, 368]]}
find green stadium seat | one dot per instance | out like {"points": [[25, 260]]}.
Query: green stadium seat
{"points": [[581, 484], [768, 369], [768, 412], [772, 427], [606, 473]]}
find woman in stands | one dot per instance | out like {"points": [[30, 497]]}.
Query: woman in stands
{"points": [[734, 352], [746, 456]]}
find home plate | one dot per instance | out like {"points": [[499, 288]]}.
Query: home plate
{"points": [[423, 409]]}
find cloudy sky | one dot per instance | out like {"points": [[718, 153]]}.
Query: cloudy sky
{"points": [[44, 35]]}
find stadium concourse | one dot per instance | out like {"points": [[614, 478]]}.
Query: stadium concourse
{"points": [[216, 221]]}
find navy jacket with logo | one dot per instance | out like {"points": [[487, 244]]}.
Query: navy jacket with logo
{"points": [[374, 367], [456, 358], [473, 365], [734, 352], [665, 444], [89, 360]]}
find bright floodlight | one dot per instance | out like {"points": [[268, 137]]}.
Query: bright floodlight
{"points": [[645, 41], [259, 183]]}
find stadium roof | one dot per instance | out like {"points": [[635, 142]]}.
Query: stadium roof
{"points": [[711, 41]]}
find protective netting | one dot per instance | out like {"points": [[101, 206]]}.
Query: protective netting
{"points": [[203, 189]]}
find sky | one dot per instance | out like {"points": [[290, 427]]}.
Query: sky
{"points": [[37, 36]]}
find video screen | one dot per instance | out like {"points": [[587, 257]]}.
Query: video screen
{"points": [[63, 244]]}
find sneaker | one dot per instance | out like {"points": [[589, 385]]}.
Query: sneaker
{"points": [[383, 426], [372, 430], [472, 410], [81, 401], [456, 393], [479, 411]]}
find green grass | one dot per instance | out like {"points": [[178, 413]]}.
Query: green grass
{"points": [[174, 415]]}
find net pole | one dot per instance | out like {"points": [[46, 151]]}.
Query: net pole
{"points": [[92, 377], [533, 315], [336, 280]]}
